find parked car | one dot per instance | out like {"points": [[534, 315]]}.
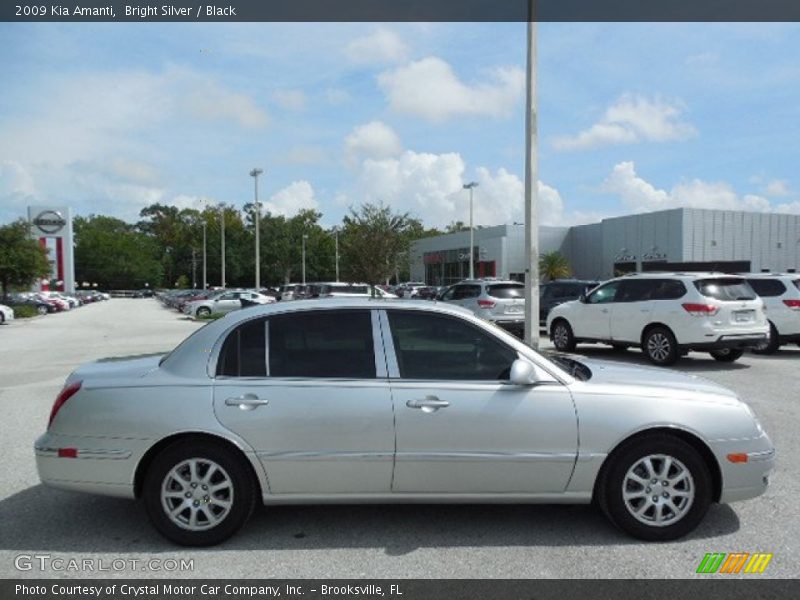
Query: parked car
{"points": [[667, 315], [781, 295], [495, 300], [223, 302], [429, 292], [292, 291], [556, 292], [6, 314], [42, 307], [355, 400], [409, 289], [338, 289]]}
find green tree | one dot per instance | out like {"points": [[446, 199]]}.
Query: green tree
{"points": [[554, 265], [113, 254], [374, 241], [22, 259]]}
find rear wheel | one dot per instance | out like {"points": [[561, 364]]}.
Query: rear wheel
{"points": [[563, 338], [660, 347], [771, 345], [42, 310], [655, 488], [203, 311], [198, 493], [727, 354]]}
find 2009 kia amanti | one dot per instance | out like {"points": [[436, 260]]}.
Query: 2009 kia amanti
{"points": [[386, 401]]}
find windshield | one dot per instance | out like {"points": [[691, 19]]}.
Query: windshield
{"points": [[506, 290], [725, 289]]}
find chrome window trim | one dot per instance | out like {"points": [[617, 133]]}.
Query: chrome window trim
{"points": [[378, 344], [266, 346], [392, 367]]}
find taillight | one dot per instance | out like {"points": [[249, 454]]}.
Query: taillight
{"points": [[793, 304], [700, 310], [65, 394], [486, 303]]}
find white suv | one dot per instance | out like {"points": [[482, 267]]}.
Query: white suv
{"points": [[667, 315], [781, 295]]}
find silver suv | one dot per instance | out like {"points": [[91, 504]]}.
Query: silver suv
{"points": [[499, 301]]}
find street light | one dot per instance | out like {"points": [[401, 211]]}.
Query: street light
{"points": [[336, 245], [205, 283], [470, 186], [254, 174], [305, 237], [222, 243]]}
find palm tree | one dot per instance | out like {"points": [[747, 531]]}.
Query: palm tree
{"points": [[554, 265]]}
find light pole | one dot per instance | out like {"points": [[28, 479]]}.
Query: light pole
{"points": [[305, 237], [254, 174], [222, 234], [336, 246], [470, 186], [531, 200], [205, 283]]}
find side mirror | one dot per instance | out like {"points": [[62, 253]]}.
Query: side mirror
{"points": [[522, 373], [582, 299]]}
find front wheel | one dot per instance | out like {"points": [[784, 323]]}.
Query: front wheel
{"points": [[203, 311], [660, 346], [655, 488], [563, 338], [727, 354], [198, 493], [42, 310]]}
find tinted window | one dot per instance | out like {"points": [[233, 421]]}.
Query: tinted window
{"points": [[466, 291], [725, 288], [668, 289], [604, 293], [322, 344], [797, 283], [449, 294], [244, 352], [767, 288], [432, 346], [635, 290], [506, 290]]}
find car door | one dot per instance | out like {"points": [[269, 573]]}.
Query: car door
{"points": [[592, 318], [308, 391], [631, 309], [227, 302], [461, 427]]}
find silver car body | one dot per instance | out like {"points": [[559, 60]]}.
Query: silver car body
{"points": [[365, 440], [225, 302]]}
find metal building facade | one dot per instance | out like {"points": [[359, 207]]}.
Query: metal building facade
{"points": [[677, 239]]}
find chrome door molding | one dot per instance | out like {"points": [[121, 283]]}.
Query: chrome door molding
{"points": [[381, 367]]}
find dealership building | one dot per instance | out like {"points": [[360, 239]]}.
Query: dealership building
{"points": [[681, 239]]}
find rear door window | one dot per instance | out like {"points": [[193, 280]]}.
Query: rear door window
{"points": [[725, 289], [506, 290], [767, 288], [668, 289], [635, 290]]}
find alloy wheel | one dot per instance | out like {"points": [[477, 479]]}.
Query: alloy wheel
{"points": [[197, 494], [658, 490]]}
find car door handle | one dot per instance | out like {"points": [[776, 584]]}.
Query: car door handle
{"points": [[429, 404], [603, 310], [246, 402]]}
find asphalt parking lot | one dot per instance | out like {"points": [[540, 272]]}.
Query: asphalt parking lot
{"points": [[438, 541]]}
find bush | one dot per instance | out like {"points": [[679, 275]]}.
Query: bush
{"points": [[24, 312], [211, 317]]}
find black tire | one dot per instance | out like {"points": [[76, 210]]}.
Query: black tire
{"points": [[727, 354], [203, 311], [620, 347], [630, 457], [660, 347], [771, 345], [563, 338], [42, 310], [242, 490]]}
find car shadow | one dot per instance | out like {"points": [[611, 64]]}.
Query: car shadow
{"points": [[41, 518], [694, 361]]}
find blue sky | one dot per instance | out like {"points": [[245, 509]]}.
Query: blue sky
{"points": [[108, 118]]}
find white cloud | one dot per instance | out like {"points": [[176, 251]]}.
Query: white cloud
{"points": [[789, 207], [641, 196], [306, 155], [337, 96], [208, 100], [777, 188], [382, 46], [294, 197], [631, 119], [371, 140], [290, 99], [430, 89]]}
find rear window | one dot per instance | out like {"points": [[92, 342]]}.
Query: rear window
{"points": [[506, 290], [797, 283], [767, 288], [725, 288]]}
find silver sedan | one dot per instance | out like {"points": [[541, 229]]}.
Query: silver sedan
{"points": [[374, 401]]}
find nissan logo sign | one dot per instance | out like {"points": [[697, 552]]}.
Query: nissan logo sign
{"points": [[49, 221]]}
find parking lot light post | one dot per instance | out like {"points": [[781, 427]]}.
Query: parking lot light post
{"points": [[305, 237], [254, 174], [222, 234], [336, 245], [205, 283], [470, 186]]}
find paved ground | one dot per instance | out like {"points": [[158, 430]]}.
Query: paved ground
{"points": [[359, 541]]}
